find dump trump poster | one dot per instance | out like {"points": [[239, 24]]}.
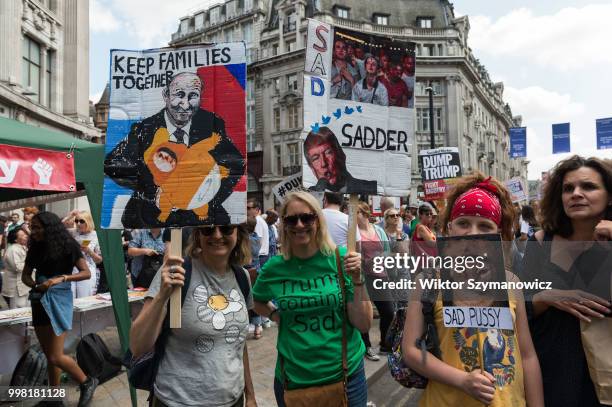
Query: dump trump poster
{"points": [[438, 167], [358, 112], [176, 137]]}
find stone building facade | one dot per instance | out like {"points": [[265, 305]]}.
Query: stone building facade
{"points": [[469, 109], [44, 64]]}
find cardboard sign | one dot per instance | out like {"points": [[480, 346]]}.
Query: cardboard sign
{"points": [[440, 163], [35, 168], [358, 112], [478, 317], [375, 204], [517, 189], [176, 138]]}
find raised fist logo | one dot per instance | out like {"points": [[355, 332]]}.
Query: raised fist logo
{"points": [[44, 171]]}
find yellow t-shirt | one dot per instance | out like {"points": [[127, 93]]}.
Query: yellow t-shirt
{"points": [[502, 358]]}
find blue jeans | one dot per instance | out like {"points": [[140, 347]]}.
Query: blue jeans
{"points": [[356, 389]]}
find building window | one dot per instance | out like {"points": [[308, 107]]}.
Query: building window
{"points": [[381, 19], [48, 75], [250, 89], [424, 22], [230, 9], [291, 46], [292, 82], [278, 159], [199, 21], [276, 84], [421, 85], [423, 119], [31, 68], [250, 141], [274, 49], [248, 5], [277, 119], [251, 117], [294, 154], [342, 12], [184, 27], [247, 33], [429, 50], [292, 113], [214, 15]]}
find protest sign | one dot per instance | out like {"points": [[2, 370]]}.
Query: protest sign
{"points": [[358, 112], [561, 138], [290, 184], [518, 142], [517, 190], [438, 166], [535, 190], [604, 133], [176, 138], [478, 317], [35, 168]]}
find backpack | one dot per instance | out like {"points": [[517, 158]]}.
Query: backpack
{"points": [[95, 359], [31, 370], [428, 342], [142, 371], [150, 266]]}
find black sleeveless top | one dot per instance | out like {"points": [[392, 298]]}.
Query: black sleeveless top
{"points": [[556, 333]]}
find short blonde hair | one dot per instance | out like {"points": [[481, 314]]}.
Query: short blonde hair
{"points": [[88, 220], [240, 255], [324, 241]]}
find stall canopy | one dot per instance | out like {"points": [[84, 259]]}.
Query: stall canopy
{"points": [[88, 162]]}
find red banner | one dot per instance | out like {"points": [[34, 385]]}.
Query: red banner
{"points": [[34, 168]]}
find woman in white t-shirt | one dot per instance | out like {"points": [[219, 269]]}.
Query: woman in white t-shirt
{"points": [[84, 233]]}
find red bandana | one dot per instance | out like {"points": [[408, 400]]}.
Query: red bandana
{"points": [[479, 201]]}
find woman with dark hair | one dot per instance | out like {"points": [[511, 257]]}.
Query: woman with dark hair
{"points": [[509, 374], [205, 363], [423, 238], [14, 258], [53, 252], [528, 223], [576, 210]]}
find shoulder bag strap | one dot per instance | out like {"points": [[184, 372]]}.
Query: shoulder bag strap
{"points": [[342, 284]]}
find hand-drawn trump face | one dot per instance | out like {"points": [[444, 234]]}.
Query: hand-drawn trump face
{"points": [[182, 97], [325, 156]]}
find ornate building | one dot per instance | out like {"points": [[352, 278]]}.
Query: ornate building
{"points": [[44, 64], [469, 109]]}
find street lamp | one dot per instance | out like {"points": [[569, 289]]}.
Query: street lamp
{"points": [[432, 137]]}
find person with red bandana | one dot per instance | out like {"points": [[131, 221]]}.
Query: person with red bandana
{"points": [[510, 372]]}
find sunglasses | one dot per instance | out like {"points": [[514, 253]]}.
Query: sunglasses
{"points": [[81, 221], [251, 207], [225, 230], [307, 219], [393, 215]]}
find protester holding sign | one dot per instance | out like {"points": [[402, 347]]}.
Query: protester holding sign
{"points": [[507, 372], [576, 210], [206, 361], [53, 253], [319, 313]]}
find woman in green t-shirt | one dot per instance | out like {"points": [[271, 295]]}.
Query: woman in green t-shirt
{"points": [[303, 284]]}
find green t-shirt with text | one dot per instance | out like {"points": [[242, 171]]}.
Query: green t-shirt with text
{"points": [[308, 298]]}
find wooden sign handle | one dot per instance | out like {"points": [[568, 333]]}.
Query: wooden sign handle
{"points": [[176, 246], [352, 232]]}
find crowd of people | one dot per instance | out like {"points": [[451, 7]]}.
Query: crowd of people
{"points": [[292, 268]]}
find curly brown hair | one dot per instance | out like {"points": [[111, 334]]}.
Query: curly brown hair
{"points": [[553, 217], [467, 182]]}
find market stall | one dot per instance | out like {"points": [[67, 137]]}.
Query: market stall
{"points": [[88, 174]]}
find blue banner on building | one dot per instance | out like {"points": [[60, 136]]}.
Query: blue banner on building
{"points": [[518, 142], [604, 133], [561, 138]]}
